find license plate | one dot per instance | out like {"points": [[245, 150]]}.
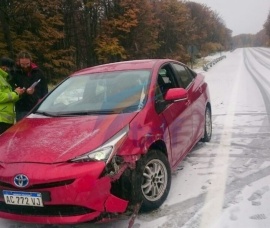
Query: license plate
{"points": [[23, 198]]}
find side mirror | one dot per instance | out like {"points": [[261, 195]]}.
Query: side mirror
{"points": [[176, 94]]}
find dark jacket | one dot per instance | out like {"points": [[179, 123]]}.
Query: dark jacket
{"points": [[24, 79]]}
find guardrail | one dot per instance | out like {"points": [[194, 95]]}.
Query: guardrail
{"points": [[213, 62]]}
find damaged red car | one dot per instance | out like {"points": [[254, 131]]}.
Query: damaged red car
{"points": [[103, 141]]}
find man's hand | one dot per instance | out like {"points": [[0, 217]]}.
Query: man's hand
{"points": [[20, 90], [30, 90]]}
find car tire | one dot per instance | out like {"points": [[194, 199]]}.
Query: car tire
{"points": [[151, 180], [207, 125]]}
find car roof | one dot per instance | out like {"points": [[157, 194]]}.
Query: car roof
{"points": [[123, 65]]}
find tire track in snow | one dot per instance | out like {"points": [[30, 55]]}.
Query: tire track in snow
{"points": [[260, 81], [215, 197], [257, 55], [264, 51]]}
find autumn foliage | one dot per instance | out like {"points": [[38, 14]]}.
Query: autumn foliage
{"points": [[66, 35]]}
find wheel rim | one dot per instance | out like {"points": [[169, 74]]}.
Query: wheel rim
{"points": [[155, 178], [208, 123]]}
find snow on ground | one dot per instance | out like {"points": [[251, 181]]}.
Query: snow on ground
{"points": [[224, 183], [241, 118]]}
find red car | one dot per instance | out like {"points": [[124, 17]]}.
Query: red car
{"points": [[103, 142]]}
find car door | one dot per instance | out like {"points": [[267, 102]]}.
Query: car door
{"points": [[177, 115], [189, 81]]}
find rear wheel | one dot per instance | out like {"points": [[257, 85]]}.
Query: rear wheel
{"points": [[207, 125], [151, 180]]}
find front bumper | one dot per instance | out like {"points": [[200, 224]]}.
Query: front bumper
{"points": [[71, 193]]}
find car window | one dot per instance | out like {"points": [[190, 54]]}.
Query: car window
{"points": [[165, 81], [183, 75]]}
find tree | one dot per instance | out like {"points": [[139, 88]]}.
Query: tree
{"points": [[141, 41], [175, 29], [5, 15], [267, 27], [38, 28], [66, 35], [115, 26], [210, 32]]}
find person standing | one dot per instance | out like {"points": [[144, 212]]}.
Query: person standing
{"points": [[27, 73], [8, 97]]}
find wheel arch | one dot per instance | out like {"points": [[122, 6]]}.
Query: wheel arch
{"points": [[159, 145], [123, 187]]}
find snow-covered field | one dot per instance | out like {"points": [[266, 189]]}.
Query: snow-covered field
{"points": [[224, 183]]}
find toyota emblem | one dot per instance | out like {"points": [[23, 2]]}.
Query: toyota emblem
{"points": [[21, 180]]}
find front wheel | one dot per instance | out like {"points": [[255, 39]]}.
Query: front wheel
{"points": [[207, 125], [151, 180]]}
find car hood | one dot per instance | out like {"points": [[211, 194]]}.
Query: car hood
{"points": [[50, 140]]}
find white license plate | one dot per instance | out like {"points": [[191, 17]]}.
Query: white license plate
{"points": [[23, 198]]}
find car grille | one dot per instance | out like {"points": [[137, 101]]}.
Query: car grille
{"points": [[40, 186], [48, 210]]}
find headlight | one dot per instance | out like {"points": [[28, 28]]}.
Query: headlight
{"points": [[107, 150]]}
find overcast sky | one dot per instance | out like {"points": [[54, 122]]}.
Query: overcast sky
{"points": [[241, 16]]}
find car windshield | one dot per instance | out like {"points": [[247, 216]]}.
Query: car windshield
{"points": [[99, 93]]}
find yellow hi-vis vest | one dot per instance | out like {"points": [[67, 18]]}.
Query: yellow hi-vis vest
{"points": [[7, 100]]}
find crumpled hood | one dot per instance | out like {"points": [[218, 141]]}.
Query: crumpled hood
{"points": [[50, 140]]}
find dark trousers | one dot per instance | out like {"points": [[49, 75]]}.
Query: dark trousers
{"points": [[4, 127]]}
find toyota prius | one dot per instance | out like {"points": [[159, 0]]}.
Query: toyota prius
{"points": [[103, 142]]}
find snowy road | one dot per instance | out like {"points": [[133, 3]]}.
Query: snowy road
{"points": [[224, 183]]}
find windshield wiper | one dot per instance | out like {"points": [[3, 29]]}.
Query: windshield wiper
{"points": [[46, 113], [82, 113], [79, 113]]}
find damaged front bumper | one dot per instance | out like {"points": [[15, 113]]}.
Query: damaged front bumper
{"points": [[71, 192]]}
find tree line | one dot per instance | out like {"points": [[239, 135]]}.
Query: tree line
{"points": [[66, 35], [261, 39]]}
